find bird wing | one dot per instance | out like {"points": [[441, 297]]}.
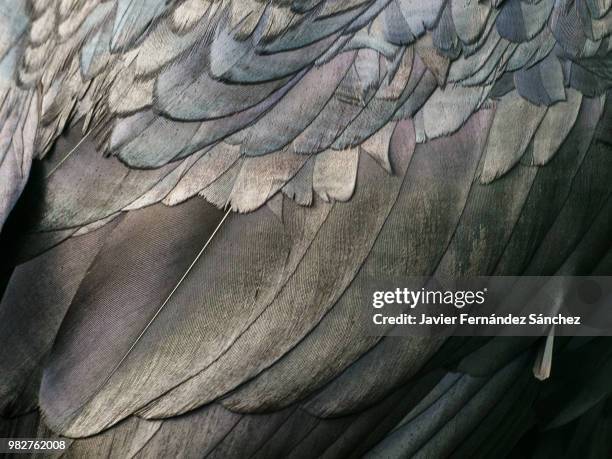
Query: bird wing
{"points": [[18, 109], [334, 143]]}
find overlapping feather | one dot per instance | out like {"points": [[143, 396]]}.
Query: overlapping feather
{"points": [[393, 137]]}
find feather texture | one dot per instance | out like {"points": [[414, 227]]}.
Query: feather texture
{"points": [[213, 185]]}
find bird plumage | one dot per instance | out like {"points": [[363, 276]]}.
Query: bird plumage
{"points": [[350, 141]]}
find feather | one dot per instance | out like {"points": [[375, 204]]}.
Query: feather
{"points": [[16, 149], [14, 21], [299, 187], [162, 45], [95, 53], [589, 192], [344, 116], [467, 65], [122, 242], [76, 198], [469, 18], [589, 381], [292, 114], [335, 174], [312, 30], [500, 393], [187, 14], [594, 240], [42, 26], [237, 62], [261, 178], [531, 52], [445, 36], [565, 26], [395, 27], [555, 128], [508, 139], [182, 90], [129, 438], [405, 216], [444, 416], [219, 191], [520, 21], [542, 365], [137, 139], [454, 105], [204, 171], [325, 220], [435, 62], [543, 83], [486, 224], [449, 138], [598, 8], [508, 420], [381, 110], [419, 17], [129, 95], [551, 187], [37, 298], [131, 20], [378, 146]]}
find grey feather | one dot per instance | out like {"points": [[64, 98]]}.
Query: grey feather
{"points": [[347, 142], [38, 297], [508, 138], [132, 17]]}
